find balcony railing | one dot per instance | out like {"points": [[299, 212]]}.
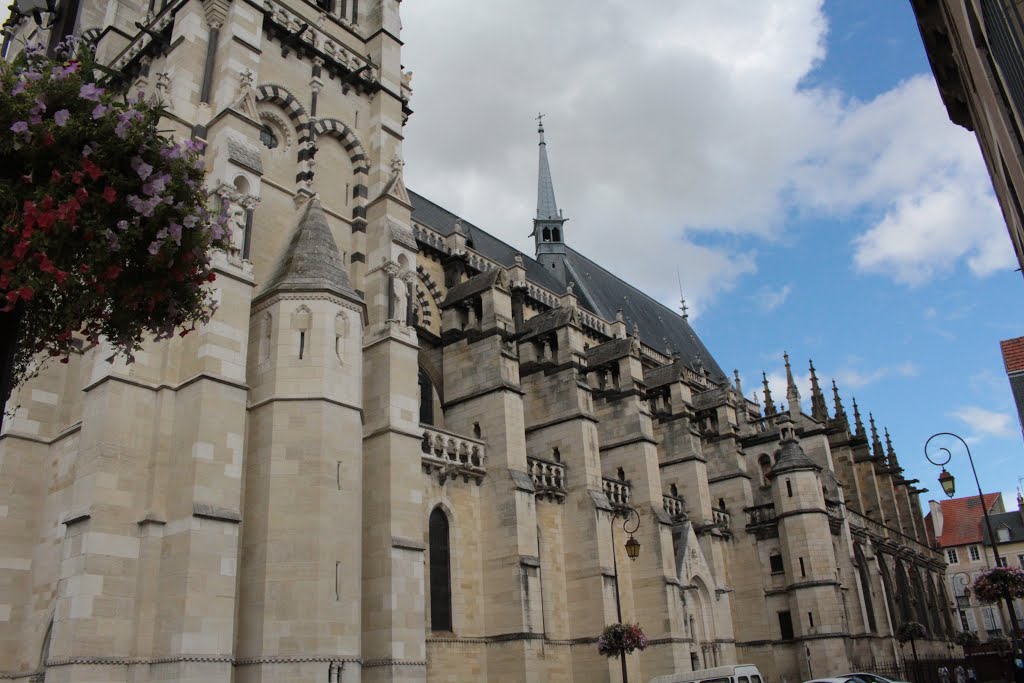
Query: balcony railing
{"points": [[761, 515], [450, 456], [548, 479], [675, 507], [722, 518], [617, 492]]}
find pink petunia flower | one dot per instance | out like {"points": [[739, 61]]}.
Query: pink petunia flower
{"points": [[61, 116]]}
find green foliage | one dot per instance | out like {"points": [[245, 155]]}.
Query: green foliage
{"points": [[910, 630], [104, 227], [992, 585]]}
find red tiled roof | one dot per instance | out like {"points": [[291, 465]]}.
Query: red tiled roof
{"points": [[1013, 354], [962, 520]]}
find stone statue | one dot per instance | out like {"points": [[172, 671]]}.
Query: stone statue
{"points": [[399, 299]]}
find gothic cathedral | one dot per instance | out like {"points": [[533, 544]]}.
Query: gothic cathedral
{"points": [[402, 451]]}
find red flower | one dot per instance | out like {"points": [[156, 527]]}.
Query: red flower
{"points": [[76, 177], [91, 169], [47, 139], [60, 276], [4, 281], [211, 277], [109, 194], [26, 293], [55, 176], [112, 272], [81, 194], [20, 249]]}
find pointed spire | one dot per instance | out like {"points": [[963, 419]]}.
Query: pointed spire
{"points": [[891, 452], [876, 444], [837, 403], [858, 425], [739, 387], [792, 393], [547, 209], [819, 411], [769, 405], [684, 309], [312, 261]]}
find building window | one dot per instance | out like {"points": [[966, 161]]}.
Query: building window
{"points": [[325, 5], [440, 573], [426, 399], [951, 556], [786, 625], [1003, 534], [975, 553], [1020, 560], [775, 562], [789, 488], [267, 137], [803, 571]]}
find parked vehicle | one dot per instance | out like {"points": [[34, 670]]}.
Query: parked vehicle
{"points": [[870, 678], [736, 673], [848, 678]]}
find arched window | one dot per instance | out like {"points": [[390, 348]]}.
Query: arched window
{"points": [[267, 137], [547, 234], [426, 398], [765, 463], [440, 573], [674, 490], [556, 235]]}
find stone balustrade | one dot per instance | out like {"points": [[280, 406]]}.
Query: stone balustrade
{"points": [[760, 515], [548, 479], [617, 492], [450, 456], [675, 507], [722, 518]]}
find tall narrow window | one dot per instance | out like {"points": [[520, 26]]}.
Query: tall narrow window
{"points": [[803, 571], [786, 625], [426, 398], [789, 488], [440, 573]]}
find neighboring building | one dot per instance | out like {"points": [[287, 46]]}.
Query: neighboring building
{"points": [[1013, 361], [974, 47], [1009, 530], [401, 449], [957, 526]]}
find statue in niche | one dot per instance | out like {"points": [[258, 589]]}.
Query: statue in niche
{"points": [[236, 222], [399, 299]]}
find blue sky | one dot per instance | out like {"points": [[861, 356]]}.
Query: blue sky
{"points": [[791, 160]]}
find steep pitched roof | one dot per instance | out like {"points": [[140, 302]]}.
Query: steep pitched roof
{"points": [[311, 262], [962, 519], [1013, 521], [598, 290], [1013, 354]]}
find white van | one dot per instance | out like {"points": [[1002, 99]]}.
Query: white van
{"points": [[737, 673]]}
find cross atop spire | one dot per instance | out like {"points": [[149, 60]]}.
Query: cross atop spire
{"points": [[547, 208], [548, 225]]}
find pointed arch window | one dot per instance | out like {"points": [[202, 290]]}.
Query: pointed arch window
{"points": [[547, 234], [556, 235], [440, 573]]}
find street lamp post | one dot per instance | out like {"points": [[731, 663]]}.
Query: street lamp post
{"points": [[948, 483], [632, 551]]}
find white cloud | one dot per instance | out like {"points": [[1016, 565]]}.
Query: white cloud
{"points": [[767, 299], [850, 377], [983, 422], [686, 126]]}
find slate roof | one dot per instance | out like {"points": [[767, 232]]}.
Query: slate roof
{"points": [[1014, 521], [792, 457], [597, 289], [474, 285], [962, 520], [311, 262]]}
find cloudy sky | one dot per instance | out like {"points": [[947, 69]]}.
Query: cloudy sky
{"points": [[790, 160]]}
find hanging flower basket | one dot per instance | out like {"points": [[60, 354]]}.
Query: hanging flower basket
{"points": [[104, 226], [910, 630], [619, 639], [992, 585]]}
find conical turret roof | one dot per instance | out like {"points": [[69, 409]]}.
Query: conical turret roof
{"points": [[792, 457], [312, 261]]}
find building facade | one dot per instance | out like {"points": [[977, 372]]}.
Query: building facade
{"points": [[402, 451], [976, 54]]}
